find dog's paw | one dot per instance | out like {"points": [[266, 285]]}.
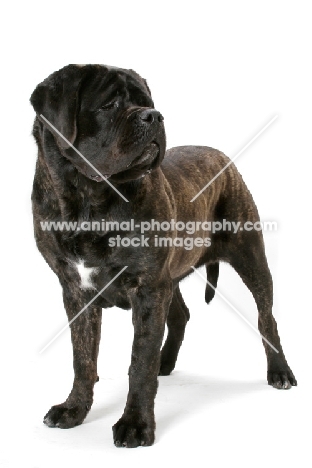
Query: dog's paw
{"points": [[166, 368], [168, 359], [65, 417], [131, 435], [283, 379]]}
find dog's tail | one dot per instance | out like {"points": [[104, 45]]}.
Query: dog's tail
{"points": [[212, 270]]}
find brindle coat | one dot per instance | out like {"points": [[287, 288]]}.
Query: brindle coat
{"points": [[108, 114]]}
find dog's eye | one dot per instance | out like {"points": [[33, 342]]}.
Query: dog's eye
{"points": [[109, 105]]}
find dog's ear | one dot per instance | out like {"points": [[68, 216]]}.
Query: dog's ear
{"points": [[56, 102]]}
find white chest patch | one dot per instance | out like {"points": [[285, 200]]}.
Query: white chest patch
{"points": [[86, 275]]}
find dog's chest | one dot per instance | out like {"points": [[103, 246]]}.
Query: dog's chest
{"points": [[87, 275], [95, 280]]}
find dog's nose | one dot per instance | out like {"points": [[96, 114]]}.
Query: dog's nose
{"points": [[150, 116]]}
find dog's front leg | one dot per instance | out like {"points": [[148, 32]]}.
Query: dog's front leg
{"points": [[85, 335], [137, 424]]}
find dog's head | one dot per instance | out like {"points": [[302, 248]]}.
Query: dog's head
{"points": [[108, 115]]}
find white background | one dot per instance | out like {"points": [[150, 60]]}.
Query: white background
{"points": [[218, 71]]}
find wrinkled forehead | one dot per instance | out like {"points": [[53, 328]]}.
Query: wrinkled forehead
{"points": [[104, 83]]}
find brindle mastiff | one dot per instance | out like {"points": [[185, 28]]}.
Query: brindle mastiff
{"points": [[108, 114]]}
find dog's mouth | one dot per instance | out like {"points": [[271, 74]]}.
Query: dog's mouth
{"points": [[137, 168], [148, 156]]}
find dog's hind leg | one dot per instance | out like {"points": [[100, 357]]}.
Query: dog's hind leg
{"points": [[250, 262], [176, 322], [212, 270]]}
